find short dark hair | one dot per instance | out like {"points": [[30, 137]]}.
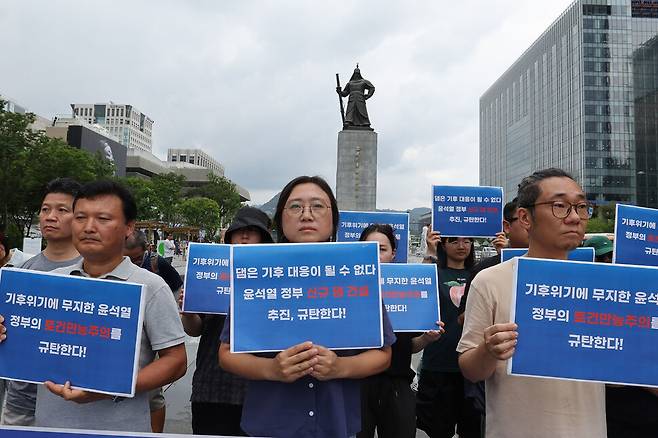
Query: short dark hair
{"points": [[67, 186], [137, 239], [105, 187], [529, 187], [442, 257], [385, 229], [285, 194], [509, 209]]}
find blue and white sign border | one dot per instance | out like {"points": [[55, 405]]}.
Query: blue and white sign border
{"points": [[614, 242], [279, 245], [502, 195], [513, 319], [438, 298], [138, 336], [187, 267]]}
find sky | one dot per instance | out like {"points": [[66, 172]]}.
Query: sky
{"points": [[253, 82]]}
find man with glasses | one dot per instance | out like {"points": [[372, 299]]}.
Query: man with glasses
{"points": [[554, 210]]}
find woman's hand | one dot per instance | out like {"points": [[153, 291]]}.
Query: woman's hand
{"points": [[295, 362]]}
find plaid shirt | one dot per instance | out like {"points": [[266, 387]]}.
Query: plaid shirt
{"points": [[211, 384]]}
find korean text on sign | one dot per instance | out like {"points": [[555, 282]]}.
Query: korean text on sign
{"points": [[411, 296], [208, 278], [285, 294], [573, 314], [352, 223], [64, 328], [467, 211], [636, 236]]}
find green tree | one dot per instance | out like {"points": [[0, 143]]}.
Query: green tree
{"points": [[167, 188], [145, 197], [202, 213], [223, 192], [29, 160], [603, 220]]}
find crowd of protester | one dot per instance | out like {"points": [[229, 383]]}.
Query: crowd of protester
{"points": [[308, 390]]}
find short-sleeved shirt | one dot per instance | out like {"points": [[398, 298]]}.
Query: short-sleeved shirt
{"points": [[22, 396], [210, 383], [440, 356], [165, 270], [306, 408], [162, 329], [401, 352], [525, 406]]}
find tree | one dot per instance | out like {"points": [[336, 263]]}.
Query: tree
{"points": [[604, 219], [202, 213], [224, 193], [145, 197], [167, 188], [30, 160]]}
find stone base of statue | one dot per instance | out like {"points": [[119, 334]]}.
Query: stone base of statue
{"points": [[356, 170]]}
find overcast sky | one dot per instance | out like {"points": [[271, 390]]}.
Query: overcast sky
{"points": [[253, 82]]}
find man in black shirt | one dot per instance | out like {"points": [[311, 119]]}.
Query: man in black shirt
{"points": [[517, 237], [135, 248]]}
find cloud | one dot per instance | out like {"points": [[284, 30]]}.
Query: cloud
{"points": [[252, 83]]}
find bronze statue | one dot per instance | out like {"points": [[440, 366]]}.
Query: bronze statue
{"points": [[359, 90]]}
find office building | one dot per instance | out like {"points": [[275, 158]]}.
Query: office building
{"points": [[130, 126], [583, 97]]}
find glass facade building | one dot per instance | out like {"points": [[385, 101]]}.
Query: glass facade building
{"points": [[584, 98]]}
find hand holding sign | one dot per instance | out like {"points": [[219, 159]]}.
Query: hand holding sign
{"points": [[500, 340], [433, 240], [326, 367], [75, 395], [500, 241], [3, 329], [295, 362]]}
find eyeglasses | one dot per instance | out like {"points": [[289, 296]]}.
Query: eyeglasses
{"points": [[561, 210], [317, 209]]}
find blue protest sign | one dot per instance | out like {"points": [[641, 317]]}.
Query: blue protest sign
{"points": [[285, 294], [352, 223], [411, 296], [585, 321], [466, 211], [207, 278], [636, 238], [48, 432], [581, 254], [65, 328]]}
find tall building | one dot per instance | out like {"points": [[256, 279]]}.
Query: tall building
{"points": [[195, 156], [132, 127], [583, 97]]}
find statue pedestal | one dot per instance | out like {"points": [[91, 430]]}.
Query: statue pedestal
{"points": [[356, 170]]}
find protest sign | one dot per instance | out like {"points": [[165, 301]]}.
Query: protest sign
{"points": [[585, 321], [66, 328], [32, 245], [352, 223], [51, 432], [636, 237], [466, 211], [284, 294], [411, 296], [207, 278], [577, 255]]}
